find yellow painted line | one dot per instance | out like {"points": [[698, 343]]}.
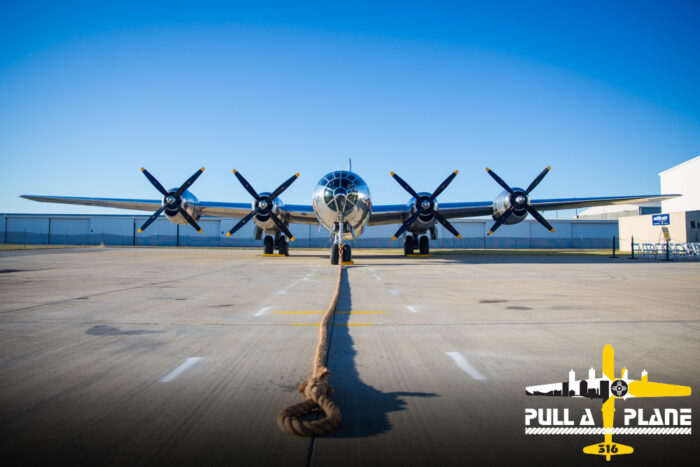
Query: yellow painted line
{"points": [[342, 324], [303, 312], [418, 255], [272, 254]]}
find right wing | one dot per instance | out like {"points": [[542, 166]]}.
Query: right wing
{"points": [[299, 214]]}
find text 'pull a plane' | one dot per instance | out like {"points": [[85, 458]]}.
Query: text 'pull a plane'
{"points": [[341, 203], [608, 388]]}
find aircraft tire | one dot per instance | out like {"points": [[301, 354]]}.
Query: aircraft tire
{"points": [[268, 245], [424, 245], [334, 254], [408, 245], [347, 253], [284, 246]]}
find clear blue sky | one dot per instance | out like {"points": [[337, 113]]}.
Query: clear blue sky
{"points": [[605, 92]]}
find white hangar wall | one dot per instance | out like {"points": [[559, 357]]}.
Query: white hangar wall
{"points": [[683, 179], [121, 230]]}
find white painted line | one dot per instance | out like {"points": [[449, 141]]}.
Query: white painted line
{"points": [[372, 270], [180, 369], [281, 292], [262, 310], [411, 309], [393, 292], [465, 366]]}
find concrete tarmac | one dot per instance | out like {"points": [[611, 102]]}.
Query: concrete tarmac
{"points": [[185, 356]]}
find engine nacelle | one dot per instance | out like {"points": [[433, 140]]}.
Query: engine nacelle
{"points": [[264, 221], [503, 202], [425, 221], [189, 203]]}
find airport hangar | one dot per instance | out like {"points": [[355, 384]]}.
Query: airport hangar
{"points": [[77, 229]]}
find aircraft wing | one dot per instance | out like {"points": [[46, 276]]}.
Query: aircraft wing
{"points": [[653, 389], [299, 214], [397, 213], [573, 203]]}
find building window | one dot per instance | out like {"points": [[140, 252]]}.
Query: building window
{"points": [[692, 224]]}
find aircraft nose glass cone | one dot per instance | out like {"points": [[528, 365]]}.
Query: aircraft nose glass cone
{"points": [[340, 195]]}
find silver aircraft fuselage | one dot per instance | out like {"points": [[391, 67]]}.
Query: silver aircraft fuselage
{"points": [[342, 193]]}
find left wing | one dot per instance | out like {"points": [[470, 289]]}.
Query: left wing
{"points": [[397, 213]]}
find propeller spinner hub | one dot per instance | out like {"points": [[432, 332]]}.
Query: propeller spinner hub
{"points": [[425, 204], [170, 200], [263, 205], [520, 199]]}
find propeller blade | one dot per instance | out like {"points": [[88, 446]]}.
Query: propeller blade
{"points": [[446, 223], [188, 183], [444, 184], [537, 181], [240, 223], [154, 182], [282, 227], [405, 186], [501, 220], [246, 185], [500, 181], [189, 219], [283, 186], [539, 217], [406, 224], [151, 219]]}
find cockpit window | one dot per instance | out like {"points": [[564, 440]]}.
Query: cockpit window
{"points": [[340, 192]]}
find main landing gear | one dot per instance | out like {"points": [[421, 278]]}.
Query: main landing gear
{"points": [[279, 243], [409, 245]]}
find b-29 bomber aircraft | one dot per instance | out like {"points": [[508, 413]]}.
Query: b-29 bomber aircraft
{"points": [[341, 203]]}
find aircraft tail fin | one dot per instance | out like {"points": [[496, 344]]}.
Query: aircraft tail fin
{"points": [[608, 449]]}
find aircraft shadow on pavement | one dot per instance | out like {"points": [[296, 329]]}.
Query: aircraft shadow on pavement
{"points": [[365, 409]]}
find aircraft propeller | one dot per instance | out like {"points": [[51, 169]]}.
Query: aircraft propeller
{"points": [[519, 200], [173, 199], [263, 204], [426, 205]]}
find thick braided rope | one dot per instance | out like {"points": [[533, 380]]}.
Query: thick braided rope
{"points": [[315, 389]]}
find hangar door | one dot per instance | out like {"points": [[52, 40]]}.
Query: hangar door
{"points": [[69, 231]]}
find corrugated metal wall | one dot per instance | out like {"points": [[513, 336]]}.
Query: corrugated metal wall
{"points": [[121, 230]]}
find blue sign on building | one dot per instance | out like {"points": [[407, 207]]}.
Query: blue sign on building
{"points": [[660, 219]]}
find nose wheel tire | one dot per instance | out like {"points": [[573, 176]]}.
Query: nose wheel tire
{"points": [[424, 245], [268, 245], [347, 253], [408, 245], [335, 254]]}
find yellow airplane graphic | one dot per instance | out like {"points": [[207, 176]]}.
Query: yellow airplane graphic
{"points": [[609, 388]]}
